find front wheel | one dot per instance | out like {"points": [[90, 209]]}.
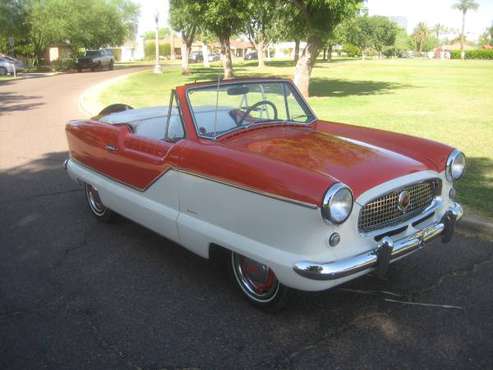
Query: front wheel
{"points": [[258, 283], [96, 206]]}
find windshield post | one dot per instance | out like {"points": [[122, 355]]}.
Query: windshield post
{"points": [[217, 103], [285, 93]]}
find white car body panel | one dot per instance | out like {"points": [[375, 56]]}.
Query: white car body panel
{"points": [[196, 212]]}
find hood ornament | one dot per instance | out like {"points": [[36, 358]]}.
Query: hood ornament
{"points": [[404, 200]]}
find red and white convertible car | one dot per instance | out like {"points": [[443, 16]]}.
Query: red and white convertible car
{"points": [[246, 167]]}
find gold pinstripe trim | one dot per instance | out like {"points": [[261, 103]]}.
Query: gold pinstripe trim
{"points": [[219, 181]]}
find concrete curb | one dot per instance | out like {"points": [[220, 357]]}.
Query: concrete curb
{"points": [[92, 107]]}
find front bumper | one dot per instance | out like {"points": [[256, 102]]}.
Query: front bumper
{"points": [[373, 258]]}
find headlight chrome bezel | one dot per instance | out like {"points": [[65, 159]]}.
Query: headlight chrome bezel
{"points": [[327, 212], [452, 158]]}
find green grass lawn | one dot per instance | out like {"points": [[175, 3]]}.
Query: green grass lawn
{"points": [[448, 101]]}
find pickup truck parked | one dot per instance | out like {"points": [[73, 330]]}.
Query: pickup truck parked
{"points": [[96, 59]]}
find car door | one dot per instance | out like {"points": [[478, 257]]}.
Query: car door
{"points": [[142, 160]]}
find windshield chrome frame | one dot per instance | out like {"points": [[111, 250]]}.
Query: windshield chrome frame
{"points": [[299, 98]]}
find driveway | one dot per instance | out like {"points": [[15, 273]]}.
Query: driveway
{"points": [[77, 294]]}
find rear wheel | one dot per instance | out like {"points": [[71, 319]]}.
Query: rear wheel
{"points": [[258, 283], [3, 71], [111, 66], [96, 206]]}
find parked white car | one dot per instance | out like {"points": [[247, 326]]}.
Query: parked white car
{"points": [[9, 65]]}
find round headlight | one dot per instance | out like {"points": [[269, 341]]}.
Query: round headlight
{"points": [[456, 164], [337, 204]]}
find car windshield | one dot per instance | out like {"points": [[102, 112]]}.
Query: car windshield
{"points": [[234, 106], [92, 53]]}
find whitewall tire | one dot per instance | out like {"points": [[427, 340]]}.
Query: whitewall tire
{"points": [[258, 283], [96, 206]]}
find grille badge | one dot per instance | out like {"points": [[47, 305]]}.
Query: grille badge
{"points": [[404, 201]]}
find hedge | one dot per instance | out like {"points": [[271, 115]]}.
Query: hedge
{"points": [[150, 51], [473, 54]]}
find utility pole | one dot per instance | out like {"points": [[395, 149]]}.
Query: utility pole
{"points": [[157, 66]]}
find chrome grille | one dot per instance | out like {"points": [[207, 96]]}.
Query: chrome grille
{"points": [[383, 211]]}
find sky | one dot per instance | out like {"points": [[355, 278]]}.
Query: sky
{"points": [[436, 11], [428, 11]]}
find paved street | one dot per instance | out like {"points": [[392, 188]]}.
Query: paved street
{"points": [[78, 294]]}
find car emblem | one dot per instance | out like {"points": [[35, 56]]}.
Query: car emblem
{"points": [[404, 201]]}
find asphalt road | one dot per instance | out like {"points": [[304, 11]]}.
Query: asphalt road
{"points": [[77, 294]]}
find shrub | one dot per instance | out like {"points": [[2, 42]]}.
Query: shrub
{"points": [[149, 49], [473, 54], [62, 65], [117, 54], [351, 50], [479, 54], [455, 54]]}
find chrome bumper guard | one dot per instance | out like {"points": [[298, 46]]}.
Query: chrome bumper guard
{"points": [[370, 259]]}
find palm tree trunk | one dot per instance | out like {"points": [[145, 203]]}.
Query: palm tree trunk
{"points": [[462, 53]]}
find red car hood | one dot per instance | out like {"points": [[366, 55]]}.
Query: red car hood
{"points": [[359, 165]]}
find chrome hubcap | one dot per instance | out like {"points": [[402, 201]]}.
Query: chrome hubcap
{"points": [[94, 201], [255, 279]]}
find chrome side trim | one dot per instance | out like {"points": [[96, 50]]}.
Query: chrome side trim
{"points": [[249, 189], [368, 260], [237, 186]]}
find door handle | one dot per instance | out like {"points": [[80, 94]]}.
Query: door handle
{"points": [[111, 148]]}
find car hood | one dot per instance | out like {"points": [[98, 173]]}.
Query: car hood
{"points": [[359, 165]]}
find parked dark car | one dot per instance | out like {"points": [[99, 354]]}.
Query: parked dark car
{"points": [[252, 55], [9, 64], [96, 59], [196, 57]]}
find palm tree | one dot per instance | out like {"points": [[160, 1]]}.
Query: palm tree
{"points": [[420, 35], [439, 29], [464, 6]]}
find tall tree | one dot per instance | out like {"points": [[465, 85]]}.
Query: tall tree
{"points": [[319, 18], [384, 33], [224, 18], [78, 23], [420, 35], [359, 33], [486, 37], [464, 6], [186, 17], [260, 25], [439, 29], [288, 26]]}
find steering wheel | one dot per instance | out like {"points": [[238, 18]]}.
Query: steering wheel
{"points": [[255, 106]]}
